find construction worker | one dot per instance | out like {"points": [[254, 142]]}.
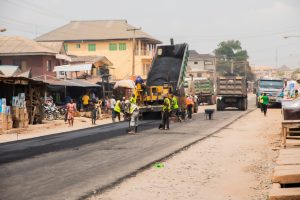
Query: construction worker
{"points": [[133, 110], [189, 106], [175, 107], [166, 112], [133, 99], [117, 110]]}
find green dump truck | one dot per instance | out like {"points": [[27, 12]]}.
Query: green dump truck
{"points": [[203, 88]]}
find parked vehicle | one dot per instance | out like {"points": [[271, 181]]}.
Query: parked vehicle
{"points": [[232, 92], [52, 112], [273, 87], [203, 88]]}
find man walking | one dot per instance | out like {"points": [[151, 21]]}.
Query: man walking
{"points": [[265, 102], [133, 110], [117, 110]]}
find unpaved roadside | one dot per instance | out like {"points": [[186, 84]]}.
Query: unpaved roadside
{"points": [[234, 164]]}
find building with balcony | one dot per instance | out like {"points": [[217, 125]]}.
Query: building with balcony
{"points": [[110, 38], [201, 65]]}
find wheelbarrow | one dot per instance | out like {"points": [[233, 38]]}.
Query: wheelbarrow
{"points": [[209, 113]]}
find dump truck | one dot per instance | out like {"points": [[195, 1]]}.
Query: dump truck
{"points": [[273, 87], [202, 87], [231, 92], [166, 77]]}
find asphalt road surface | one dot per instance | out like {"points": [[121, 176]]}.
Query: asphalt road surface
{"points": [[80, 163]]}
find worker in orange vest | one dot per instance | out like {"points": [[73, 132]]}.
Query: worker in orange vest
{"points": [[189, 106]]}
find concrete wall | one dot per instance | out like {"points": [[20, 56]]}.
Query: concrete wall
{"points": [[121, 59]]}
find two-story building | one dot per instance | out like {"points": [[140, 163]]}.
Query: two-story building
{"points": [[201, 65], [110, 38], [31, 55]]}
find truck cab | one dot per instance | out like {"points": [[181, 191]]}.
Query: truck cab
{"points": [[273, 87]]}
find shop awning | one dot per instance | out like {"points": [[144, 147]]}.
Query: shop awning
{"points": [[73, 68], [72, 83]]}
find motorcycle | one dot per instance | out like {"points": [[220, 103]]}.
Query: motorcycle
{"points": [[51, 112]]}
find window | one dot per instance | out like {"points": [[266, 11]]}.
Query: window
{"points": [[49, 66], [23, 65], [92, 47], [112, 46], [77, 46], [66, 47], [122, 46], [146, 69], [196, 63]]}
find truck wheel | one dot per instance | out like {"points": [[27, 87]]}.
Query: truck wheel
{"points": [[243, 104], [257, 104], [220, 105]]}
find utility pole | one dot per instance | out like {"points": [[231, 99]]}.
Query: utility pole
{"points": [[133, 48], [231, 68]]}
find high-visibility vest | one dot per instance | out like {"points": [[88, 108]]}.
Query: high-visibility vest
{"points": [[118, 106], [174, 103], [189, 101], [167, 105], [133, 107], [133, 100]]}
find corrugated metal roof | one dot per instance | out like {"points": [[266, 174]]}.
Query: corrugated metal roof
{"points": [[73, 68], [95, 30], [91, 59], [9, 70], [16, 45], [57, 47], [70, 83]]}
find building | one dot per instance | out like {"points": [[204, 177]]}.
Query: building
{"points": [[110, 38], [201, 65], [30, 55]]}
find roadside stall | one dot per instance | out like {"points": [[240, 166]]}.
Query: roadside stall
{"points": [[20, 100]]}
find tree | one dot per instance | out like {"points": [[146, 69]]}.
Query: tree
{"points": [[230, 53]]}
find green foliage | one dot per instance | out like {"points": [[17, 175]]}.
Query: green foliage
{"points": [[231, 53]]}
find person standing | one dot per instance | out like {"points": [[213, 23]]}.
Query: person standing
{"points": [[189, 106], [112, 103], [99, 106], [265, 102], [94, 110], [117, 110], [71, 109], [134, 116], [166, 113], [85, 102], [175, 107], [260, 101], [133, 99]]}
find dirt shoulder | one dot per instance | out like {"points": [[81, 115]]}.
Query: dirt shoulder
{"points": [[235, 163]]}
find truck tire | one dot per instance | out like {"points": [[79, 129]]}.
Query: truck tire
{"points": [[257, 104], [243, 104], [220, 105]]}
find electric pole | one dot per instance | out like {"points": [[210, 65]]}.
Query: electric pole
{"points": [[133, 48]]}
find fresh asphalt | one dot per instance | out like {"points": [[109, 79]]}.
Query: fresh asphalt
{"points": [[77, 164]]}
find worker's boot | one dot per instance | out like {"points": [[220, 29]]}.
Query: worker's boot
{"points": [[131, 130]]}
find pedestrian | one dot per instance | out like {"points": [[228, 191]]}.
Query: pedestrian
{"points": [[71, 109], [117, 110], [265, 102], [175, 107], [99, 106], [133, 111], [112, 103], [189, 106], [166, 112], [94, 110], [85, 102]]}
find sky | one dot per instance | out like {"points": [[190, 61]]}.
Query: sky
{"points": [[260, 25]]}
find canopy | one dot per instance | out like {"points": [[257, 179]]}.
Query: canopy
{"points": [[72, 83], [73, 68], [125, 84]]}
